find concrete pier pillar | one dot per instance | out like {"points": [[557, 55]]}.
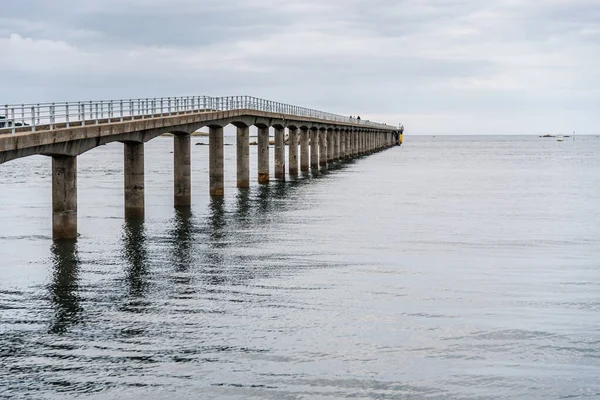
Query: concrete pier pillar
{"points": [[263, 155], [334, 142], [330, 146], [323, 153], [304, 154], [314, 149], [215, 161], [343, 136], [338, 145], [64, 197], [183, 170], [134, 179], [242, 145], [293, 151], [280, 153]]}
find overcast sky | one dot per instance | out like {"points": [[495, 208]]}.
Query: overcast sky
{"points": [[439, 66]]}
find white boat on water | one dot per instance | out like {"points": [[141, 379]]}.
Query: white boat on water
{"points": [[560, 138]]}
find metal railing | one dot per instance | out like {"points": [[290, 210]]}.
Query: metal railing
{"points": [[48, 116]]}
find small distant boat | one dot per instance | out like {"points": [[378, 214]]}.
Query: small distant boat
{"points": [[560, 138]]}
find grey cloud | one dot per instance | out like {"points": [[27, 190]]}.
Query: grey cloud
{"points": [[451, 58]]}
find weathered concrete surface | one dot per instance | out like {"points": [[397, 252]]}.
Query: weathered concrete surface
{"points": [[243, 156], [134, 179], [215, 161], [279, 153], [78, 139], [263, 155], [183, 170], [293, 151], [64, 197], [304, 154]]}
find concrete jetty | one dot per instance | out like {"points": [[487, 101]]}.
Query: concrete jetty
{"points": [[63, 131]]}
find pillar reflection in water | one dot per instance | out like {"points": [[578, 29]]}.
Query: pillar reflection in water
{"points": [[136, 257], [63, 290], [242, 211], [182, 235], [216, 273]]}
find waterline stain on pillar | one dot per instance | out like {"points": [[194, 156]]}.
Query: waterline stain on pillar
{"points": [[183, 170], [263, 154], [215, 160], [134, 179], [64, 197]]}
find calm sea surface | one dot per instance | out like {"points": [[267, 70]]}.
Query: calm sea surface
{"points": [[450, 268]]}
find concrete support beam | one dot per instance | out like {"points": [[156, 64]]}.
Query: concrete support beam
{"points": [[215, 161], [293, 151], [323, 153], [64, 197], [242, 146], [304, 154], [183, 170], [134, 179], [280, 153], [343, 138], [263, 155], [314, 149]]}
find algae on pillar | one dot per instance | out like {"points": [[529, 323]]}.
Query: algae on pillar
{"points": [[215, 161], [263, 154], [279, 153], [293, 151], [243, 156], [183, 170], [64, 197], [134, 179]]}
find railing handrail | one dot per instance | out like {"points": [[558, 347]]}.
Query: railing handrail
{"points": [[32, 115]]}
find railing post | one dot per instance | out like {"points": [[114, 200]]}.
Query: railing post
{"points": [[82, 114], [67, 114], [32, 119], [12, 120], [121, 109], [52, 115]]}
